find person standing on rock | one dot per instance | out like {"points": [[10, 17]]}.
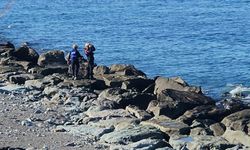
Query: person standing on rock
{"points": [[74, 60], [89, 52]]}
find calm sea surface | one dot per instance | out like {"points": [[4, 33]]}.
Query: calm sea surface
{"points": [[206, 42]]}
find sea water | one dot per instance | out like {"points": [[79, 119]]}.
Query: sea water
{"points": [[206, 42]]}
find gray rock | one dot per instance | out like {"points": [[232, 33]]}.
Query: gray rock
{"points": [[124, 69], [218, 129], [144, 144], [21, 78], [26, 53], [50, 91], [115, 80], [199, 142], [168, 126], [173, 103], [125, 97], [138, 113], [92, 132], [100, 70], [27, 122], [238, 127], [176, 83], [130, 135], [51, 57], [107, 113], [139, 84], [207, 112], [37, 84]]}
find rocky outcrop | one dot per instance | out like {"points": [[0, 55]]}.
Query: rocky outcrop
{"points": [[175, 83], [125, 97], [173, 103], [120, 109], [51, 58], [25, 53], [238, 127]]}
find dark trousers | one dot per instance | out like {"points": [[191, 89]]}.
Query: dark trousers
{"points": [[75, 68], [90, 67]]}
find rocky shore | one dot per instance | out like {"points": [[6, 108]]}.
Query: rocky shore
{"points": [[43, 108]]}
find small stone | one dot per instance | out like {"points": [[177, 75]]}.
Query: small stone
{"points": [[71, 144], [59, 130], [27, 122]]}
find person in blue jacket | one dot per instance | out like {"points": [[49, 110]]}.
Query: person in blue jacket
{"points": [[74, 60]]}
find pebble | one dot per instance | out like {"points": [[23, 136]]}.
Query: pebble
{"points": [[27, 122]]}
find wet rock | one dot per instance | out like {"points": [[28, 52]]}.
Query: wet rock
{"points": [[175, 83], [130, 135], [124, 69], [138, 113], [6, 49], [25, 53], [51, 58], [101, 70], [21, 78], [174, 103], [125, 97], [168, 126]]}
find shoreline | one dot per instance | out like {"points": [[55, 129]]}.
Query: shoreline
{"points": [[120, 109]]}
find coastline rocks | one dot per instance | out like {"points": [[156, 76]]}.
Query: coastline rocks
{"points": [[125, 97], [6, 49], [162, 83], [139, 84], [25, 53], [49, 70], [173, 103], [125, 69], [51, 58]]}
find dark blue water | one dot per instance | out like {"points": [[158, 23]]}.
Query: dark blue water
{"points": [[206, 42]]}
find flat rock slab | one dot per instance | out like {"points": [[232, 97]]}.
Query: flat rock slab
{"points": [[93, 132], [132, 134], [199, 142], [108, 113], [167, 126], [145, 144], [237, 137]]}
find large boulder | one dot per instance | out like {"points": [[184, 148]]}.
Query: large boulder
{"points": [[176, 83], [173, 103], [139, 84], [132, 134], [125, 69], [25, 53], [208, 112], [101, 70], [49, 70], [126, 97], [6, 49], [238, 127], [51, 58], [115, 80]]}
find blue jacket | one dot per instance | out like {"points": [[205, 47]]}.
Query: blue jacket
{"points": [[74, 55]]}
